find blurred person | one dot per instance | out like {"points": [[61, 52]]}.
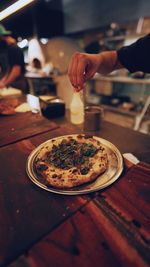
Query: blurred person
{"points": [[12, 66], [135, 57]]}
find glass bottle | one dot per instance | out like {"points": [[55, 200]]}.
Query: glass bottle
{"points": [[76, 109]]}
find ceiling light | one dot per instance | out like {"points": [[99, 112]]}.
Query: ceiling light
{"points": [[13, 8], [23, 43], [44, 40]]}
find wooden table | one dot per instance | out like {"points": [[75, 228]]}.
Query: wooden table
{"points": [[42, 229], [21, 126]]}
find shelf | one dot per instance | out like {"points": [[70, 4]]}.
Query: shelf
{"points": [[123, 111], [121, 79], [123, 37], [120, 110]]}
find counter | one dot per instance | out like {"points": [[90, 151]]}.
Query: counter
{"points": [[38, 228]]}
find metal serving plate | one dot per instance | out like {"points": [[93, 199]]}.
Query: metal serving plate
{"points": [[115, 167]]}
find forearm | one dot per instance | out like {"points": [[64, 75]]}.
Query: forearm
{"points": [[12, 76], [108, 62]]}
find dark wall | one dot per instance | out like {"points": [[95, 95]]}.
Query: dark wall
{"points": [[43, 18], [50, 18], [90, 14]]}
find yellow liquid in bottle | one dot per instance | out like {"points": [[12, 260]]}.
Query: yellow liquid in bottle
{"points": [[76, 109]]}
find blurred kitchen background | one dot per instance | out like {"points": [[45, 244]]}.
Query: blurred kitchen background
{"points": [[50, 31]]}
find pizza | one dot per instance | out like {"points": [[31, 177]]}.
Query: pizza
{"points": [[72, 160]]}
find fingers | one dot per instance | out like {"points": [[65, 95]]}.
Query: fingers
{"points": [[2, 85], [76, 70], [72, 70], [79, 88]]}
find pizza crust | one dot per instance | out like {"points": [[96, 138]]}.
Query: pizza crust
{"points": [[64, 178]]}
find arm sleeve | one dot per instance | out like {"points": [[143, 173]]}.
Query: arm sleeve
{"points": [[16, 57], [136, 57]]}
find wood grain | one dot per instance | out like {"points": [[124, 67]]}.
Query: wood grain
{"points": [[27, 213], [21, 126], [110, 230]]}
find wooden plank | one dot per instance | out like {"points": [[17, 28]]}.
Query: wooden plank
{"points": [[78, 242], [111, 230], [27, 212], [87, 239], [24, 125]]}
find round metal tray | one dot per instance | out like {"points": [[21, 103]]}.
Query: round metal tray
{"points": [[115, 167]]}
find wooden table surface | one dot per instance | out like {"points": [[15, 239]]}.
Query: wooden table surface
{"points": [[20, 126], [105, 228]]}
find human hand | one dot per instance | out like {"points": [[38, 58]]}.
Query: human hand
{"points": [[2, 85], [82, 67]]}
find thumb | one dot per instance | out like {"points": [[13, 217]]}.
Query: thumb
{"points": [[89, 74]]}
